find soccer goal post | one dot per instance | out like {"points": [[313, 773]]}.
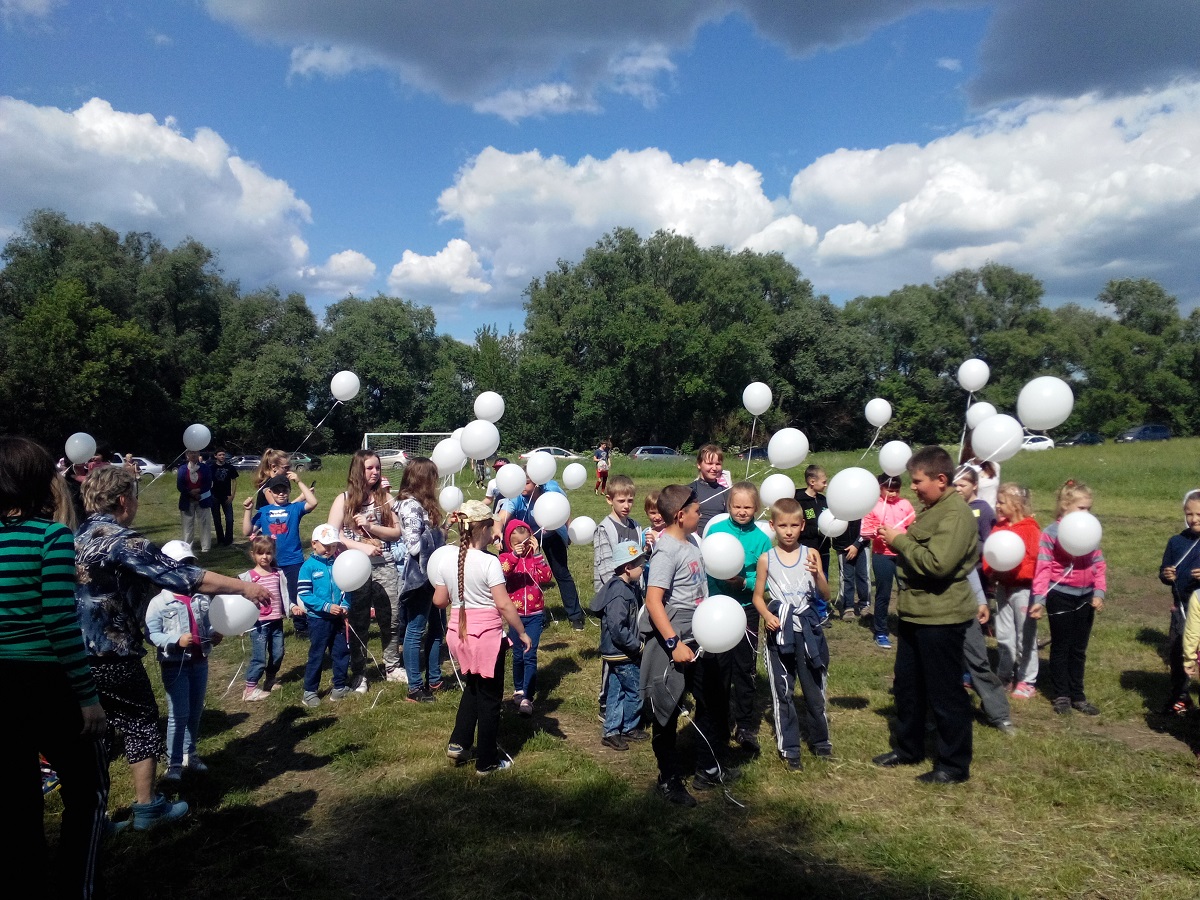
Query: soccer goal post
{"points": [[414, 443]]}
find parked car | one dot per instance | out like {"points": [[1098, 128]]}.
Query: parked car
{"points": [[302, 461], [656, 452], [556, 452], [392, 459], [245, 463], [145, 466], [1082, 439], [1144, 433], [1037, 442], [754, 453]]}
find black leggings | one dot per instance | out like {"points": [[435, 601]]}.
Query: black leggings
{"points": [[480, 706]]}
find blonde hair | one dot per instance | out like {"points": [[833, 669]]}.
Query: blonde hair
{"points": [[1070, 491], [744, 487], [105, 486], [64, 509], [1019, 494], [271, 459]]}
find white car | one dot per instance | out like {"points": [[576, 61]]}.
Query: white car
{"points": [[556, 452], [1037, 442], [392, 459], [145, 466]]}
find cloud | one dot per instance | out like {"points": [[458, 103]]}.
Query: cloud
{"points": [[312, 60], [33, 9], [347, 272], [455, 269], [134, 173], [542, 99], [950, 65]]}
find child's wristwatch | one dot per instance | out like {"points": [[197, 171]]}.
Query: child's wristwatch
{"points": [[672, 642]]}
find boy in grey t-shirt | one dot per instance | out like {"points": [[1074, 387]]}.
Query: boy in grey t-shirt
{"points": [[677, 584]]}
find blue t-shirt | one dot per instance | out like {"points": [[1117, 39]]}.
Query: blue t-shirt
{"points": [[282, 525], [521, 507]]}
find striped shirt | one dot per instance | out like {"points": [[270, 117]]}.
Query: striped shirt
{"points": [[37, 601]]}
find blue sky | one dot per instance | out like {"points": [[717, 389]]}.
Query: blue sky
{"points": [[448, 152]]}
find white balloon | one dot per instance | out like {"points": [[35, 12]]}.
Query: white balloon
{"points": [[344, 386], [997, 438], [456, 435], [448, 456], [196, 437], [973, 375], [1079, 533], [894, 457], [551, 510], [448, 554], [879, 412], [1045, 403], [756, 398], [232, 614], [1004, 550], [787, 448], [489, 406], [719, 517], [724, 556], [480, 439], [574, 475], [581, 530], [852, 493], [830, 525], [510, 480], [766, 528], [351, 570], [977, 412], [450, 498], [81, 447], [776, 487], [540, 466], [719, 623]]}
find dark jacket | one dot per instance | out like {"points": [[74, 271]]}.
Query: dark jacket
{"points": [[618, 604], [205, 485]]}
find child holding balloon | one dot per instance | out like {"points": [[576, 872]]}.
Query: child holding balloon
{"points": [[796, 646], [1181, 571], [891, 511], [178, 626], [327, 607], [280, 521], [1016, 632], [1069, 590]]}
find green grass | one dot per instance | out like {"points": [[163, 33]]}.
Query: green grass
{"points": [[358, 800]]}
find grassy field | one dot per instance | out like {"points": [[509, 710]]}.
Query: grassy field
{"points": [[358, 799]]}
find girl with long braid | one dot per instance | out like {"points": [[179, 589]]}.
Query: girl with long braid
{"points": [[470, 579]]}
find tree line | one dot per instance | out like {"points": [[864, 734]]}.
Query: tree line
{"points": [[643, 340]]}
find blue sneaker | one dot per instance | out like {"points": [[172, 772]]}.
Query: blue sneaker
{"points": [[882, 642]]}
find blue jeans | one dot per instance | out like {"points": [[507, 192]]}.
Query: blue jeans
{"points": [[854, 581], [525, 661], [185, 681], [266, 650], [884, 568], [624, 710], [326, 634], [423, 630]]}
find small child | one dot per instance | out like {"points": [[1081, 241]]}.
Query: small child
{"points": [[178, 626], [1181, 571], [854, 571], [526, 572], [1016, 632], [1070, 590], [654, 517], [812, 503], [670, 667], [618, 604], [891, 511], [796, 648], [280, 521], [743, 505], [326, 607], [266, 640], [602, 458], [614, 528], [712, 485]]}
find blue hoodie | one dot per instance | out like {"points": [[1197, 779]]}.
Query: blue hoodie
{"points": [[317, 589]]}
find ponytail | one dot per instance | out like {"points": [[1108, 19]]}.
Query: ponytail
{"points": [[464, 545]]}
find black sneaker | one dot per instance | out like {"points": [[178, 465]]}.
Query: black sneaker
{"points": [[714, 778], [673, 791], [420, 696], [614, 742], [1088, 709], [1062, 705], [747, 740], [577, 624], [823, 752], [638, 734], [793, 763]]}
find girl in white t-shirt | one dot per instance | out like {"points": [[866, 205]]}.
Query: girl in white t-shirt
{"points": [[470, 581]]}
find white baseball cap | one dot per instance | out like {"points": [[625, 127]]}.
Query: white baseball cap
{"points": [[327, 535], [180, 551]]}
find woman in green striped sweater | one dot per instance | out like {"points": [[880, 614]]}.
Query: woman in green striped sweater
{"points": [[53, 706]]}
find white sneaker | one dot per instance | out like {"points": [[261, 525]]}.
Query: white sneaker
{"points": [[398, 675], [361, 687]]}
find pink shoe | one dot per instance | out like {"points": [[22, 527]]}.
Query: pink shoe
{"points": [[1024, 691]]}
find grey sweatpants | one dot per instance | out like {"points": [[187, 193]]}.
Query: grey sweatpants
{"points": [[992, 696]]}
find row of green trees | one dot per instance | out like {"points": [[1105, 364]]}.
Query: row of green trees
{"points": [[642, 340]]}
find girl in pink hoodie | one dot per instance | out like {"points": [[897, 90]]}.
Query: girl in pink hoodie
{"points": [[894, 512]]}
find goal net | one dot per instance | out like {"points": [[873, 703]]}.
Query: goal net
{"points": [[414, 443]]}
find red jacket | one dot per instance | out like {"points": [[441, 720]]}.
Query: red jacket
{"points": [[1030, 533], [524, 576]]}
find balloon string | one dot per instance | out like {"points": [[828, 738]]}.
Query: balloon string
{"points": [[336, 404], [873, 440], [750, 452], [1186, 554], [962, 441], [166, 469]]}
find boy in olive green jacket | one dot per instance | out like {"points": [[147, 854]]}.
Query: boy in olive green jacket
{"points": [[936, 605]]}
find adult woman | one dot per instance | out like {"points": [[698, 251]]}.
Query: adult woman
{"points": [[117, 573], [367, 519], [54, 707], [421, 534], [194, 481]]}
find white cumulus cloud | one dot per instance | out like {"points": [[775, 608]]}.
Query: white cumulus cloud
{"points": [[347, 272], [454, 269]]}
